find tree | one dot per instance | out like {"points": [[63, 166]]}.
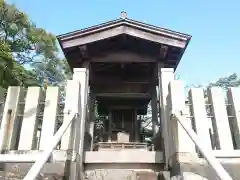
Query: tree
{"points": [[11, 73], [21, 44], [28, 43], [55, 72], [226, 82]]}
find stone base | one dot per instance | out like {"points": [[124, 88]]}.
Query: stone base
{"points": [[188, 167], [61, 165], [19, 170]]}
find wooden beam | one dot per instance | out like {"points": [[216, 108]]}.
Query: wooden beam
{"points": [[102, 79], [83, 51], [121, 89], [96, 81], [163, 51], [114, 107], [123, 56], [124, 95], [123, 29]]}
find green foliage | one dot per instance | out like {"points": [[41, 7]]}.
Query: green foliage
{"points": [[6, 64], [12, 73], [23, 43], [28, 43], [56, 72], [226, 82]]}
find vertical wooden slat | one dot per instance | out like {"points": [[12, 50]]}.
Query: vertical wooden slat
{"points": [[199, 113], [154, 111], [92, 118], [72, 103], [49, 116], [234, 99], [110, 126], [9, 126], [220, 119], [181, 141], [29, 123]]}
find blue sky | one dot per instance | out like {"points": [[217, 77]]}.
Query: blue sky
{"points": [[214, 25]]}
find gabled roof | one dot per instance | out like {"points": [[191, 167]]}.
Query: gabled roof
{"points": [[123, 26]]}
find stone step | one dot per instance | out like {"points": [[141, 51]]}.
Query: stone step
{"points": [[123, 174]]}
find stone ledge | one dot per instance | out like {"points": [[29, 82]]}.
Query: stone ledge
{"points": [[134, 156], [183, 157], [189, 158], [32, 155]]}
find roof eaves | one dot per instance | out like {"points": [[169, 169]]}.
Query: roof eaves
{"points": [[158, 28], [66, 35]]}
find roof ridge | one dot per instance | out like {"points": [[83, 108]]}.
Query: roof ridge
{"points": [[119, 20]]}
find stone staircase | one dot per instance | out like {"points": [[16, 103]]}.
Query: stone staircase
{"points": [[17, 171]]}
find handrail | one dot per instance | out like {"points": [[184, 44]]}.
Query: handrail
{"points": [[214, 163], [43, 158]]}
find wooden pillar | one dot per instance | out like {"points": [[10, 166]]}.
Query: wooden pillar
{"points": [[109, 126], [154, 111], [136, 124], [92, 117]]}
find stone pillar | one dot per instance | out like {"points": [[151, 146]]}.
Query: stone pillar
{"points": [[165, 75], [182, 150], [82, 75], [154, 111]]}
